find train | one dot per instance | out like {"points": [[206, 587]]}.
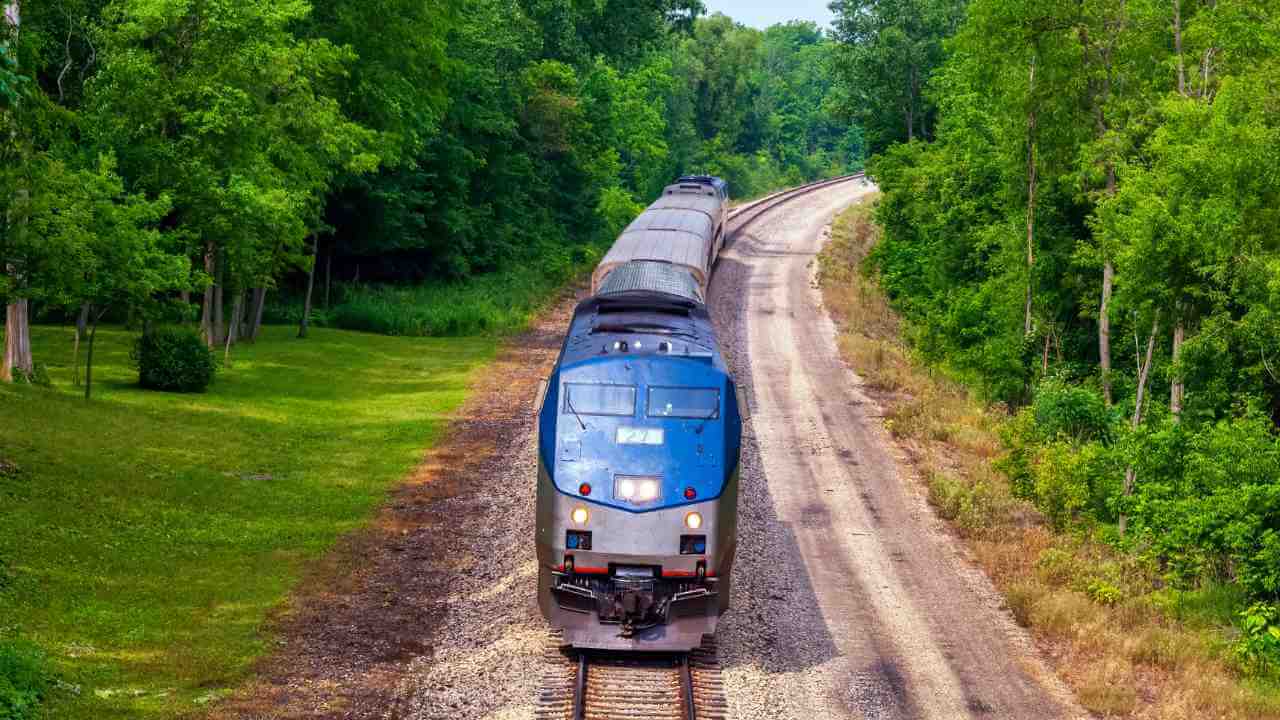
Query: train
{"points": [[639, 439]]}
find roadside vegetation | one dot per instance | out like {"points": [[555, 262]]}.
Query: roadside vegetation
{"points": [[148, 537], [1129, 640]]}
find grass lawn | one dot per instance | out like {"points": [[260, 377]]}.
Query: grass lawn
{"points": [[146, 536]]}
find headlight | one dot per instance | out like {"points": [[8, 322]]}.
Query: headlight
{"points": [[626, 488], [693, 521], [637, 490], [580, 516], [648, 490]]}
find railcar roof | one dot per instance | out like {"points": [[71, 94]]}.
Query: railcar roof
{"points": [[651, 317]]}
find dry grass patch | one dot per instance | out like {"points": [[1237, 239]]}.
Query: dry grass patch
{"points": [[1124, 648]]}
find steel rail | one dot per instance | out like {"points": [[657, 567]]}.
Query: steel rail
{"points": [[768, 202], [603, 685]]}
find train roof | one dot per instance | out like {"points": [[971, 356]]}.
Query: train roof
{"points": [[715, 182], [652, 277], [679, 229], [664, 324]]}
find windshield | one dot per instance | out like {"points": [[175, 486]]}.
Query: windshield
{"points": [[692, 403], [600, 399]]}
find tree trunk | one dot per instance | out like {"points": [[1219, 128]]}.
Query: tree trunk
{"points": [[255, 314], [1044, 357], [75, 359], [328, 276], [1032, 182], [218, 324], [17, 342], [82, 322], [1178, 389], [206, 309], [311, 283], [1104, 330], [1144, 374], [88, 363], [17, 325], [1177, 47], [911, 105], [236, 311]]}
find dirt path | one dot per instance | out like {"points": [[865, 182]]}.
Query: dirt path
{"points": [[851, 599]]}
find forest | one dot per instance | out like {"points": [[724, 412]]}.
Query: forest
{"points": [[1081, 220], [394, 166]]}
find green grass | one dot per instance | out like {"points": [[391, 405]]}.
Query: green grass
{"points": [[145, 537]]}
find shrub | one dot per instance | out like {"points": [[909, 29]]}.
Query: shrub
{"points": [[1215, 515], [1258, 651], [1103, 592], [1071, 412], [174, 360], [23, 680], [1056, 567], [39, 375]]}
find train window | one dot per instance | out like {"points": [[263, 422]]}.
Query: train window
{"points": [[691, 403], [600, 399]]}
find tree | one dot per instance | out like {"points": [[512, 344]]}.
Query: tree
{"points": [[17, 348], [889, 49], [234, 123], [127, 263]]}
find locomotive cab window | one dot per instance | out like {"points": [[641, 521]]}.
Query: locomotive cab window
{"points": [[585, 399], [687, 403]]}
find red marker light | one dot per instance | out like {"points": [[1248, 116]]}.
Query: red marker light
{"points": [[584, 489], [690, 493]]}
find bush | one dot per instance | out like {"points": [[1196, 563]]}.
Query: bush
{"points": [[23, 680], [39, 375], [1215, 514], [174, 360], [1071, 412], [1258, 651]]}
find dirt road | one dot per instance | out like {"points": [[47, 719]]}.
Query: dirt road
{"points": [[851, 600]]}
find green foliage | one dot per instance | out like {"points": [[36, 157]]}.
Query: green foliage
{"points": [[1258, 651], [24, 680], [1071, 412], [889, 50], [972, 506], [174, 360], [1070, 147], [39, 375], [1104, 593]]}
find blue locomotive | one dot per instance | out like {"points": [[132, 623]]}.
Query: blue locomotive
{"points": [[639, 437]]}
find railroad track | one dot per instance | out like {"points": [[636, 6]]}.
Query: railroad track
{"points": [[631, 686], [768, 202], [647, 686]]}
